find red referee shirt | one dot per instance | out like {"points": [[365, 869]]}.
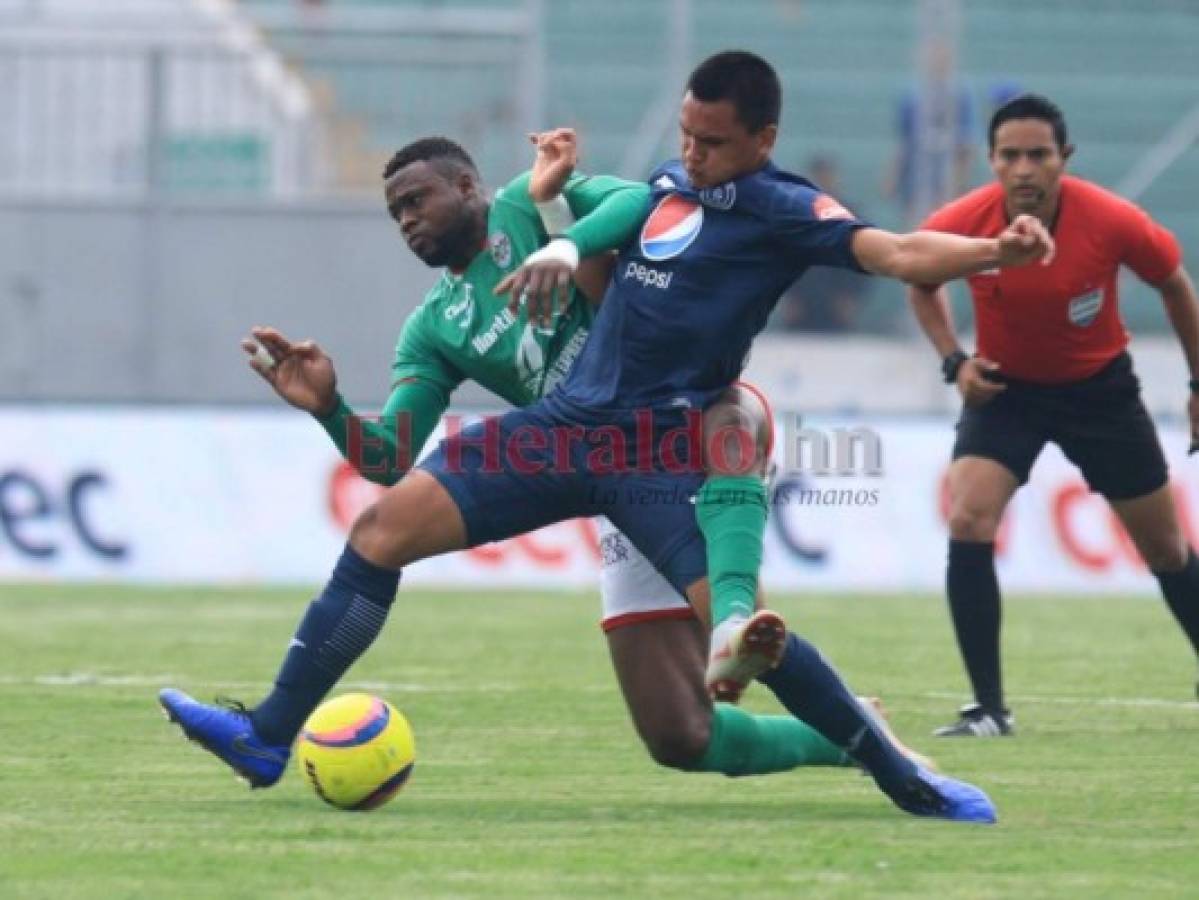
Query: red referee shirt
{"points": [[1061, 322]]}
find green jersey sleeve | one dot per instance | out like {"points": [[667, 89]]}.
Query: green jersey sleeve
{"points": [[383, 450], [419, 355], [422, 380], [608, 210]]}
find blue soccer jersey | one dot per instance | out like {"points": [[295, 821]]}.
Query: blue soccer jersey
{"points": [[693, 289], [688, 296]]}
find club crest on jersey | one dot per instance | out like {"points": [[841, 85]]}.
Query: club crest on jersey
{"points": [[1084, 309], [671, 228], [501, 249], [721, 197], [825, 207]]}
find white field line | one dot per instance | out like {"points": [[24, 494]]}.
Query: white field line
{"points": [[89, 679], [1020, 699]]}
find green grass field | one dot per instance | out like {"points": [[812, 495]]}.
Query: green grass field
{"points": [[530, 783]]}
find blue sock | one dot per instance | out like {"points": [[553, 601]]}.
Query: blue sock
{"points": [[338, 627], [811, 690]]}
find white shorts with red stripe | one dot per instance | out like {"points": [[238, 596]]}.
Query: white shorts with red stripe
{"points": [[631, 589]]}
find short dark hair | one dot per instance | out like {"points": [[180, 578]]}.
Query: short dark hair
{"points": [[447, 155], [743, 78], [1030, 106]]}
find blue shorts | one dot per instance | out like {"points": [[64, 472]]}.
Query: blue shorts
{"points": [[530, 467]]}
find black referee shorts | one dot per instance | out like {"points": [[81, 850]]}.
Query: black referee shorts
{"points": [[1100, 423]]}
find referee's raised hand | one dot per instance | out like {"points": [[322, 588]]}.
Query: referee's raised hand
{"points": [[1025, 240], [979, 380]]}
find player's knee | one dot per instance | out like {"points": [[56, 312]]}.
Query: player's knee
{"points": [[679, 745], [736, 435], [382, 543], [968, 522]]}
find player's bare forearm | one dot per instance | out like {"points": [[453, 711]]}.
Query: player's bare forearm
{"points": [[933, 257], [924, 257], [931, 308], [1182, 308]]}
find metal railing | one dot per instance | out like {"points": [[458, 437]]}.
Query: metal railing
{"points": [[287, 105]]}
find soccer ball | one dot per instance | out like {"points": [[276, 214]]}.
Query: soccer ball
{"points": [[356, 751]]}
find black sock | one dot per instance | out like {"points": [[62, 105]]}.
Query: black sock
{"points": [[338, 627], [811, 690], [973, 592], [1181, 590]]}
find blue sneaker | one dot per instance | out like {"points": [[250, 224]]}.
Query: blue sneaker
{"points": [[934, 795], [226, 731]]}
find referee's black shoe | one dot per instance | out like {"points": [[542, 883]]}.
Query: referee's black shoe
{"points": [[975, 721]]}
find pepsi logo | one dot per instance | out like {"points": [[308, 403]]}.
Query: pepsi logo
{"points": [[671, 228]]}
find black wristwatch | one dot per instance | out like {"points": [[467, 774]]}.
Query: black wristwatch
{"points": [[951, 364]]}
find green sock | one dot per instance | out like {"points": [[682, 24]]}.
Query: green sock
{"points": [[731, 510], [745, 744]]}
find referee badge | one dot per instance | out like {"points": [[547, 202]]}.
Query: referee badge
{"points": [[1084, 309]]}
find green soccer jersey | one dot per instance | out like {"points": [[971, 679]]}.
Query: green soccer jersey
{"points": [[464, 331]]}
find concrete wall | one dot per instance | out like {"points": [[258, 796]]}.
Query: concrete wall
{"points": [[142, 303], [145, 303]]}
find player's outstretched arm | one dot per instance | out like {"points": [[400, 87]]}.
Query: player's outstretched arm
{"points": [[932, 257], [383, 450], [300, 372], [303, 375], [422, 380]]}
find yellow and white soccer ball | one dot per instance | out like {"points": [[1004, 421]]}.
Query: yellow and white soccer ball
{"points": [[356, 751]]}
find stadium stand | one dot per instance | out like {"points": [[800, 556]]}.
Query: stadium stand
{"points": [[136, 94], [603, 70]]}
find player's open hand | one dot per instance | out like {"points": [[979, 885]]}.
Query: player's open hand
{"points": [[1025, 240], [979, 381], [557, 156], [301, 373], [543, 288], [543, 283]]}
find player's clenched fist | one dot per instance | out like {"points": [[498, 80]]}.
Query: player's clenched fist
{"points": [[557, 156], [301, 373], [1024, 241]]}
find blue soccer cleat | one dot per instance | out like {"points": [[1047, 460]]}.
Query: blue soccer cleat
{"points": [[928, 794], [226, 731]]}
